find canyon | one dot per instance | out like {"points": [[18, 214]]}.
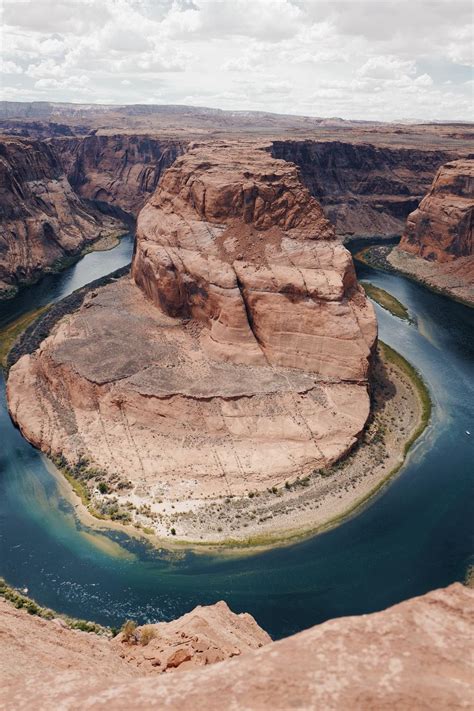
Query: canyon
{"points": [[413, 655], [43, 220], [364, 189], [237, 357], [119, 171], [367, 177], [236, 362], [437, 245]]}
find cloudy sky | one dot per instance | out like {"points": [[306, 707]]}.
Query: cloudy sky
{"points": [[369, 59]]}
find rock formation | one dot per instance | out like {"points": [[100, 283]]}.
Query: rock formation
{"points": [[415, 655], [439, 233], [42, 220], [364, 189], [122, 170], [204, 636], [237, 357]]}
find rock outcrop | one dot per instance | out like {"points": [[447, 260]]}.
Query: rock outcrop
{"points": [[121, 171], [413, 656], [42, 220], [237, 357], [437, 245], [204, 636], [364, 189]]}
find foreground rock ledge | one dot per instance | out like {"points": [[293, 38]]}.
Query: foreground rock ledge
{"points": [[413, 656], [237, 357]]}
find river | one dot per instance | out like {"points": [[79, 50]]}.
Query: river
{"points": [[416, 535]]}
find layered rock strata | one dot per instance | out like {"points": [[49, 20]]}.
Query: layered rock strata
{"points": [[413, 656], [364, 189], [437, 245], [237, 357], [42, 220], [121, 171]]}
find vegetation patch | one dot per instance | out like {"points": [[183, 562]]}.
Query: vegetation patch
{"points": [[11, 332], [19, 600], [87, 480], [376, 256], [386, 300], [399, 361]]}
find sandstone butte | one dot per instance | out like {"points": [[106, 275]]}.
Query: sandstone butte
{"points": [[437, 245], [414, 656], [237, 356]]}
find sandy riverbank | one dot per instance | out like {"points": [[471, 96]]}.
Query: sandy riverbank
{"points": [[303, 505]]}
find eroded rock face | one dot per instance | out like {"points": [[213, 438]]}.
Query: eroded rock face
{"points": [[233, 240], [440, 230], [237, 358], [364, 189], [415, 655], [437, 246], [42, 220], [122, 171], [204, 636]]}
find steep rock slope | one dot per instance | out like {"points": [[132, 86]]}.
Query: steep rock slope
{"points": [[203, 636], [42, 220], [437, 245], [413, 656], [364, 189], [122, 171], [238, 356]]}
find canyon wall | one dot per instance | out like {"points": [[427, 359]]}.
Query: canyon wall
{"points": [[413, 656], [42, 219], [364, 189], [122, 170], [238, 357], [440, 230], [437, 244]]}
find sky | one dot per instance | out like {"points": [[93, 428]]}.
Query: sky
{"points": [[359, 59]]}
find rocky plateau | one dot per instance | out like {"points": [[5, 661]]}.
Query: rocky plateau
{"points": [[236, 357]]}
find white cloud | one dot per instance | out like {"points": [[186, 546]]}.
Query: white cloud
{"points": [[382, 59], [8, 67]]}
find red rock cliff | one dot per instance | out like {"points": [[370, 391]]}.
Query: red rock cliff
{"points": [[364, 189], [437, 245], [122, 170], [441, 228], [232, 238], [42, 220]]}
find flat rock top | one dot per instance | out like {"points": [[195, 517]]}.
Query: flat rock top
{"points": [[119, 336]]}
